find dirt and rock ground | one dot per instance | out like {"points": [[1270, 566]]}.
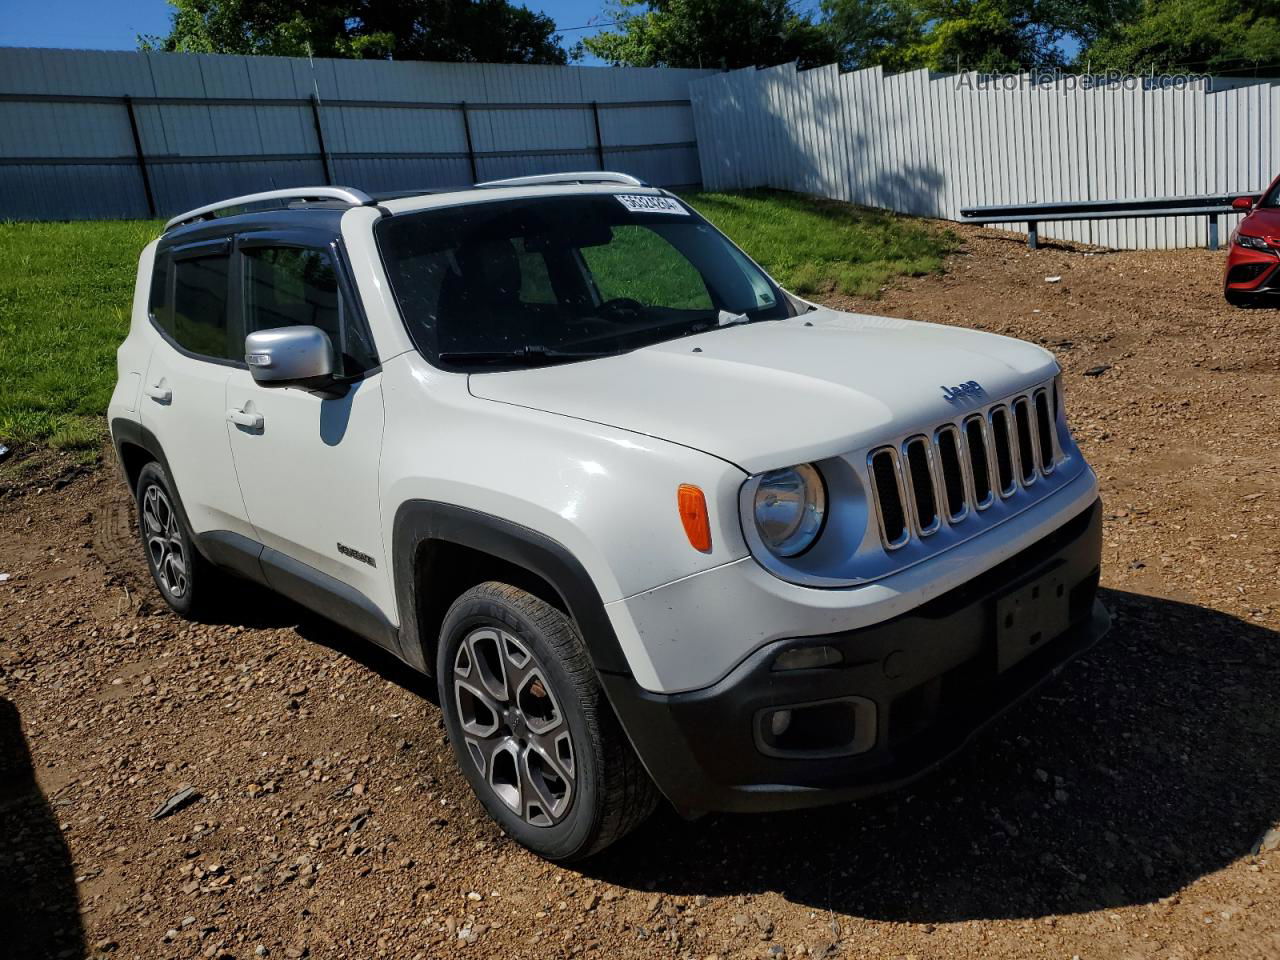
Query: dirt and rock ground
{"points": [[1122, 813]]}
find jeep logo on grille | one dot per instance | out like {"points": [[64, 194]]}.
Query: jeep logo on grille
{"points": [[963, 391]]}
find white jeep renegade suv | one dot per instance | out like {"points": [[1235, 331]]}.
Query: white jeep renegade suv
{"points": [[656, 526]]}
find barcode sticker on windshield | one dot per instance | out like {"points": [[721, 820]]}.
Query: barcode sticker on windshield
{"points": [[641, 203]]}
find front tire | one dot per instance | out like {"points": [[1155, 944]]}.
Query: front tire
{"points": [[531, 728], [185, 579]]}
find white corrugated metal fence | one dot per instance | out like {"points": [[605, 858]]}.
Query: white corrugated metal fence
{"points": [[74, 125], [930, 144]]}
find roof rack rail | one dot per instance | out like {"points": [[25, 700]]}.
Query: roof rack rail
{"points": [[554, 179], [349, 194]]}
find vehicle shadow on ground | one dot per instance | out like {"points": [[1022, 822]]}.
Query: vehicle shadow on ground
{"points": [[39, 906], [1148, 763], [260, 608], [368, 654]]}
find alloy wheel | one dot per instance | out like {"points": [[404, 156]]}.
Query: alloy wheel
{"points": [[165, 547], [514, 729]]}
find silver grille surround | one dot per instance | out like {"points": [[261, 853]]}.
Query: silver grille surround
{"points": [[968, 495], [989, 420], [854, 549]]}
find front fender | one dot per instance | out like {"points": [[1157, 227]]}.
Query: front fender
{"points": [[602, 497], [419, 521]]}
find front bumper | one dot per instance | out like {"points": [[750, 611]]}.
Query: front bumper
{"points": [[1251, 271], [930, 675]]}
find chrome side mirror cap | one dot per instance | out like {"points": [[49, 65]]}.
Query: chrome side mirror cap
{"points": [[290, 357]]}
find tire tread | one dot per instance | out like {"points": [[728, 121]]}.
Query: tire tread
{"points": [[627, 795]]}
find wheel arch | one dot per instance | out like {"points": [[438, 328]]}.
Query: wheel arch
{"points": [[133, 457], [136, 446], [440, 550]]}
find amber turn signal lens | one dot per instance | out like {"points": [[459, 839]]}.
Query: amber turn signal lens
{"points": [[693, 514]]}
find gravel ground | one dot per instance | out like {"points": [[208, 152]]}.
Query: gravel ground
{"points": [[1122, 813]]}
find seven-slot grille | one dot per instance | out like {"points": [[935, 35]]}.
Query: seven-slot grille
{"points": [[964, 467]]}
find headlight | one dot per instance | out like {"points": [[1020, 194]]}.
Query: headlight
{"points": [[1253, 243], [790, 505]]}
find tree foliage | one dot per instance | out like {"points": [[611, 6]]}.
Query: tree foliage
{"points": [[457, 31], [1203, 36], [984, 35], [710, 33], [1192, 36]]}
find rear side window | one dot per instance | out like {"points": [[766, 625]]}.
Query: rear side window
{"points": [[159, 306], [298, 286], [200, 307]]}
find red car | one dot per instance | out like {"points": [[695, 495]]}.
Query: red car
{"points": [[1253, 257]]}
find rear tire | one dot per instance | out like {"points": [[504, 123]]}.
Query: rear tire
{"points": [[531, 728], [186, 580]]}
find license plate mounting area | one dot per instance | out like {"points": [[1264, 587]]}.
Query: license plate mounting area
{"points": [[1030, 616]]}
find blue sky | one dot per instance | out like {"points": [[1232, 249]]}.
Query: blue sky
{"points": [[114, 24]]}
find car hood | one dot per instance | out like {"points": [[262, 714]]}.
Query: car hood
{"points": [[773, 393], [1262, 222]]}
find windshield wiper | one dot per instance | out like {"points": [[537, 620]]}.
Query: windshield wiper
{"points": [[521, 354]]}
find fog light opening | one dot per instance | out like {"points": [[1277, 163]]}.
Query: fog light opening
{"points": [[779, 722], [825, 728]]}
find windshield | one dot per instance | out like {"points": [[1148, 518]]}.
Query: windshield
{"points": [[554, 279]]}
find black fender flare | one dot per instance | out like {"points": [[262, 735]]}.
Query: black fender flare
{"points": [[420, 521], [126, 431]]}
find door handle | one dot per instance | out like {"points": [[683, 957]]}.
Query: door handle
{"points": [[251, 421], [159, 392]]}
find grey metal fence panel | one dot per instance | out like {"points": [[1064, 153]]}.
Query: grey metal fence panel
{"points": [[70, 192], [931, 143], [186, 184], [210, 126], [401, 173]]}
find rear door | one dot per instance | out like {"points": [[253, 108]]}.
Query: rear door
{"points": [[183, 398], [309, 472]]}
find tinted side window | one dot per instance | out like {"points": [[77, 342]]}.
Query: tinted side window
{"points": [[293, 286], [159, 307], [200, 307]]}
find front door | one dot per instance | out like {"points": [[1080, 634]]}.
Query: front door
{"points": [[308, 464]]}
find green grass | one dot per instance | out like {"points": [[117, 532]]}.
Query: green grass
{"points": [[665, 277], [65, 296], [66, 290], [813, 246]]}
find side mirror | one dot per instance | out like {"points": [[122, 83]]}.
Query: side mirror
{"points": [[1242, 203], [290, 357]]}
